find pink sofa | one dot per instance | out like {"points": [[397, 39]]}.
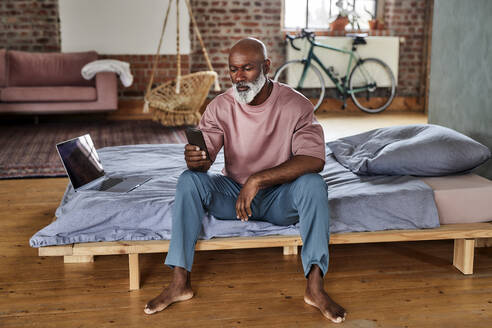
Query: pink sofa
{"points": [[51, 83]]}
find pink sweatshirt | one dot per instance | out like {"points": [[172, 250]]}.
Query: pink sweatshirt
{"points": [[260, 137]]}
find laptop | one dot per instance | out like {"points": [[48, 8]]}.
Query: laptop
{"points": [[85, 171]]}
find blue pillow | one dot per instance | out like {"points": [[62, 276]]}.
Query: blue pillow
{"points": [[420, 149]]}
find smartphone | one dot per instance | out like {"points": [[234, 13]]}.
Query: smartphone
{"points": [[195, 138]]}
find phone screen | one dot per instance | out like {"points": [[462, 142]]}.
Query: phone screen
{"points": [[195, 137]]}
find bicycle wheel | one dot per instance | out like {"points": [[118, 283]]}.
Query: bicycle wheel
{"points": [[372, 85], [290, 73]]}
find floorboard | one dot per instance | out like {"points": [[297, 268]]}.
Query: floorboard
{"points": [[404, 284]]}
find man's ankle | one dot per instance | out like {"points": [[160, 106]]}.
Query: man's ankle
{"points": [[180, 276], [315, 278], [315, 272]]}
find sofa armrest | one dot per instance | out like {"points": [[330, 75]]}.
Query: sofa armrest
{"points": [[107, 90]]}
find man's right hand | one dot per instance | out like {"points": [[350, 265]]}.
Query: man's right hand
{"points": [[196, 159]]}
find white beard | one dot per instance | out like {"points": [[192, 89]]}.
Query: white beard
{"points": [[247, 96]]}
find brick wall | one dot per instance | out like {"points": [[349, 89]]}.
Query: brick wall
{"points": [[29, 25], [222, 23], [405, 18], [141, 68], [33, 26]]}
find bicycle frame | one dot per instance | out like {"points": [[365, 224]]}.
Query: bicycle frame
{"points": [[343, 88]]}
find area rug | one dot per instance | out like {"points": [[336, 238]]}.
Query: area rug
{"points": [[28, 150]]}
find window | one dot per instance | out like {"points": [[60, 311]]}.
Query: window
{"points": [[318, 14]]}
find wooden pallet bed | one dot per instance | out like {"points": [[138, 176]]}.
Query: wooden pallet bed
{"points": [[464, 236]]}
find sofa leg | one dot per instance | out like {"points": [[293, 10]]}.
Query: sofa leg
{"points": [[78, 258], [290, 250], [464, 251], [134, 271], [36, 119]]}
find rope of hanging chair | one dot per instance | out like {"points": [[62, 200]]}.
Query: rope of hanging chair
{"points": [[179, 79], [204, 50], [178, 59], [156, 58]]}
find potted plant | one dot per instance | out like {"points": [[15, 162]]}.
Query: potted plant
{"points": [[342, 18], [339, 23], [345, 16], [374, 23], [380, 25]]}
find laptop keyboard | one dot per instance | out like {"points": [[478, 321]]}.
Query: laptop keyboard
{"points": [[108, 183]]}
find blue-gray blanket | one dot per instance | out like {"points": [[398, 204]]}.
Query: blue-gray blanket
{"points": [[357, 203]]}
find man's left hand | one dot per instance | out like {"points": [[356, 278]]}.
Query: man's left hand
{"points": [[246, 195]]}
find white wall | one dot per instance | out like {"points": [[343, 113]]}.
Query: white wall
{"points": [[385, 48], [122, 26]]}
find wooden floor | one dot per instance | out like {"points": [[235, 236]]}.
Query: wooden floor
{"points": [[409, 284]]}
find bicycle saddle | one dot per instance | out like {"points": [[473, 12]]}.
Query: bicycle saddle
{"points": [[358, 38], [355, 35]]}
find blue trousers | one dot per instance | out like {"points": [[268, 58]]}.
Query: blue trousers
{"points": [[303, 200]]}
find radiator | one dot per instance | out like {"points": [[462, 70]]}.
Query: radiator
{"points": [[385, 48]]}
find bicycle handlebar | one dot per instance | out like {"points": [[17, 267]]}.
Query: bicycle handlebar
{"points": [[291, 39], [304, 34]]}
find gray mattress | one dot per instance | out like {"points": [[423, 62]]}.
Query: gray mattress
{"points": [[357, 203]]}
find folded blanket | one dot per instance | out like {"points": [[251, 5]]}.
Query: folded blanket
{"points": [[109, 65]]}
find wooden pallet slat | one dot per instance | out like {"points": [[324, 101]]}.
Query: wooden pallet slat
{"points": [[463, 234], [63, 250], [450, 231], [134, 271], [78, 258], [464, 254]]}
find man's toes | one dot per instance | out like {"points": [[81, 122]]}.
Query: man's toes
{"points": [[153, 306], [149, 310], [341, 314], [336, 316], [337, 320]]}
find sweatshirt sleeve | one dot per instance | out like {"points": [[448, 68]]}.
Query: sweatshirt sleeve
{"points": [[212, 131], [308, 138]]}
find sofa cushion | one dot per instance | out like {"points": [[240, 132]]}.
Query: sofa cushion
{"points": [[3, 67], [40, 94], [48, 69]]}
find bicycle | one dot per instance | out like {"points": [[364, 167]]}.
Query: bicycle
{"points": [[371, 84]]}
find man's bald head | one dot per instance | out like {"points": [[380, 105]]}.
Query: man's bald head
{"points": [[250, 46], [248, 69]]}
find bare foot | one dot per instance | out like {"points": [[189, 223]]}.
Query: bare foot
{"points": [[168, 296], [178, 290], [326, 305], [316, 296]]}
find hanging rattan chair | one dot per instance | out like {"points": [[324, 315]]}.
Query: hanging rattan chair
{"points": [[177, 102]]}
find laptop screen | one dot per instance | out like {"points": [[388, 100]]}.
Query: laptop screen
{"points": [[81, 161]]}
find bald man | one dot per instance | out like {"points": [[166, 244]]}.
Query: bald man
{"points": [[274, 149]]}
